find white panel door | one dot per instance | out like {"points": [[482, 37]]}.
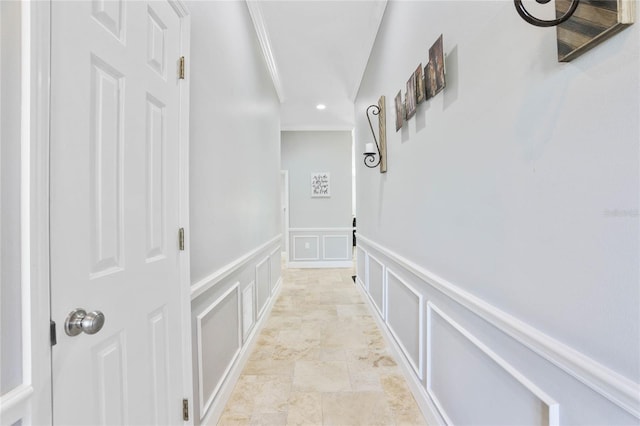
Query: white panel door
{"points": [[114, 211]]}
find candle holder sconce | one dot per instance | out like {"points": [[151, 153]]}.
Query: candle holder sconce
{"points": [[582, 24], [381, 142]]}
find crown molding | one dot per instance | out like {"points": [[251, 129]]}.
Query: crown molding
{"points": [[265, 44]]}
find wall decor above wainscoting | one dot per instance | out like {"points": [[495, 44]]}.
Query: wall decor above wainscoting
{"points": [[423, 84], [582, 24], [399, 111], [320, 185], [436, 77], [381, 141]]}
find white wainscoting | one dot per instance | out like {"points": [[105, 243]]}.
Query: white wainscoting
{"points": [[540, 370], [520, 410], [275, 269], [361, 267], [375, 284], [335, 247], [404, 307], [263, 285], [248, 309], [223, 334], [321, 248], [245, 280], [306, 247]]}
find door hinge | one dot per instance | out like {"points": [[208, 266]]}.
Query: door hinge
{"points": [[181, 75], [181, 239], [185, 410], [52, 333]]}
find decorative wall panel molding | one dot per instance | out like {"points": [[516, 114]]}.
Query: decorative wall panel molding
{"points": [[210, 343], [247, 323], [14, 405], [611, 385], [404, 309], [376, 291], [552, 407], [248, 309], [311, 243], [263, 286], [361, 267], [338, 247], [208, 282], [275, 269], [321, 247]]}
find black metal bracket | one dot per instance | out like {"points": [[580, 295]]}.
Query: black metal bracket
{"points": [[370, 158], [524, 13]]}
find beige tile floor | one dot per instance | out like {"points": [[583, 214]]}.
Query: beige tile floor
{"points": [[321, 360]]}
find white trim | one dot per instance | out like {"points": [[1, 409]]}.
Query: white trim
{"points": [[321, 264], [25, 192], [275, 288], [229, 382], [247, 331], [15, 404], [617, 388], [361, 260], [180, 8], [324, 247], [206, 283], [274, 256], [366, 271], [553, 406], [204, 407], [317, 128], [349, 229], [380, 309], [31, 402], [183, 211], [266, 260], [418, 369], [425, 404], [265, 44], [306, 258]]}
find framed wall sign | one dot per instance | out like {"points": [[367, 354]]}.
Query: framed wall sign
{"points": [[320, 184]]}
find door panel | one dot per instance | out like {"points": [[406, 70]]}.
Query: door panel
{"points": [[114, 211]]}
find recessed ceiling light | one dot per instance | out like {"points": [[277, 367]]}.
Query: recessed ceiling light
{"points": [[321, 106]]}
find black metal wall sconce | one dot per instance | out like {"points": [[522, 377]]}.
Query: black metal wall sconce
{"points": [[524, 13], [380, 147]]}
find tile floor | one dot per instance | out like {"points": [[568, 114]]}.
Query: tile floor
{"points": [[321, 360]]}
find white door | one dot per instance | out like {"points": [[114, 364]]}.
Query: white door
{"points": [[115, 211]]}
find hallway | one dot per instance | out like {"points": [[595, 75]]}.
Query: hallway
{"points": [[320, 359]]}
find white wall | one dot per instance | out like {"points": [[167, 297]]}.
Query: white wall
{"points": [[519, 187], [234, 196], [319, 227], [235, 139]]}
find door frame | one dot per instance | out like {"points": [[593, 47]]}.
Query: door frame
{"points": [[185, 258], [31, 402], [285, 202]]}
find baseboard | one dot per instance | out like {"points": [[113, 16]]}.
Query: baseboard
{"points": [[321, 264], [219, 404]]}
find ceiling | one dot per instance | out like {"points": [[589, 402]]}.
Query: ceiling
{"points": [[316, 51]]}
